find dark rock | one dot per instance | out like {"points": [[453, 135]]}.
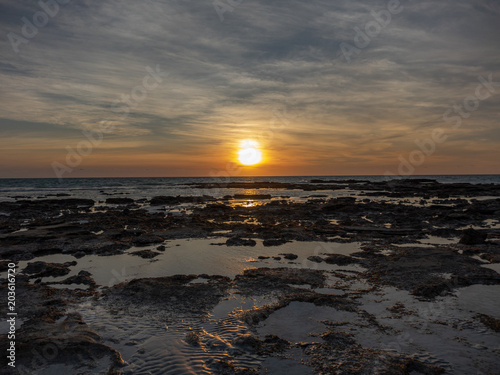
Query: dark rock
{"points": [[414, 269], [431, 289], [237, 241], [253, 280], [193, 338], [174, 293], [472, 237], [491, 257], [273, 343], [119, 200], [339, 259], [164, 200], [290, 256], [83, 277], [338, 340], [315, 258], [76, 343], [42, 269], [146, 254], [4, 265], [146, 239], [274, 242], [133, 231], [339, 203], [247, 342], [227, 367]]}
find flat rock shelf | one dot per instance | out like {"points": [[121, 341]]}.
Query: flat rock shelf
{"points": [[358, 277]]}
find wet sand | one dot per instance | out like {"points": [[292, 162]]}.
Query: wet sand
{"points": [[347, 277]]}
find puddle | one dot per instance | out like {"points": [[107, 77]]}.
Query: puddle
{"points": [[481, 299], [435, 240], [69, 286], [446, 327], [297, 321], [492, 266], [195, 256], [100, 367], [279, 366], [429, 240]]}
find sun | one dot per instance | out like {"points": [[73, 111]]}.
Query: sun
{"points": [[249, 153]]}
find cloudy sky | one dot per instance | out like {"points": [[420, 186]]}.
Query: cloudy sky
{"points": [[320, 85]]}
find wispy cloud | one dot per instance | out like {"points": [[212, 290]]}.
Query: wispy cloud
{"points": [[225, 78]]}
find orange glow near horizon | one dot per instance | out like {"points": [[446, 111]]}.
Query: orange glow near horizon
{"points": [[249, 153]]}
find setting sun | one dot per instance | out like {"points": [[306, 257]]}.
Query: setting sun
{"points": [[249, 153]]}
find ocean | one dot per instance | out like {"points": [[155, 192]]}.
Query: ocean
{"points": [[147, 187]]}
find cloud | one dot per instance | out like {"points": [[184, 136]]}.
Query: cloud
{"points": [[225, 78]]}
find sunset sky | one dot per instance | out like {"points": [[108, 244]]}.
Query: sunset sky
{"points": [[304, 80]]}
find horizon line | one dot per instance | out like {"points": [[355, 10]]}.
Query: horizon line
{"points": [[357, 175]]}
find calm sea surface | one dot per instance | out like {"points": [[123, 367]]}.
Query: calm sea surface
{"points": [[136, 188]]}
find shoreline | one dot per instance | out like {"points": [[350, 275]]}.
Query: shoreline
{"points": [[369, 269]]}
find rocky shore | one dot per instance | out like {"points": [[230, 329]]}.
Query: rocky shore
{"points": [[424, 247]]}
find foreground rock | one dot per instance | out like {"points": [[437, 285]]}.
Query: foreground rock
{"points": [[473, 237], [170, 294], [42, 227], [42, 269], [83, 278], [419, 271], [236, 241], [69, 340], [339, 259], [265, 280], [146, 254], [50, 337]]}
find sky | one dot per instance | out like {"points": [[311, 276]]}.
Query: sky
{"points": [[108, 88]]}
